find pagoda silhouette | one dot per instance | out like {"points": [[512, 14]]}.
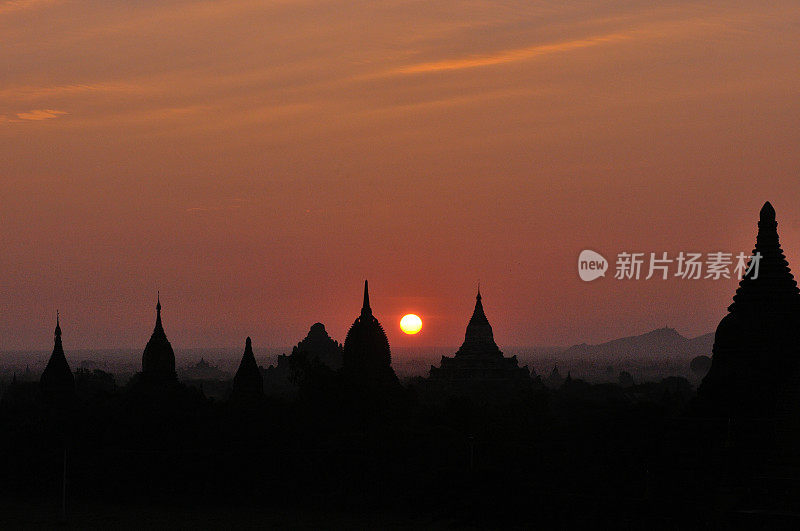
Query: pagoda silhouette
{"points": [[248, 383], [57, 381], [316, 351], [320, 347], [756, 346], [158, 359], [479, 361], [367, 358]]}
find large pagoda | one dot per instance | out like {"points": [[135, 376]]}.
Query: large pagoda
{"points": [[479, 360], [757, 344], [367, 358]]}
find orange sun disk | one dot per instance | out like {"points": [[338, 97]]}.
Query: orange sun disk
{"points": [[411, 324]]}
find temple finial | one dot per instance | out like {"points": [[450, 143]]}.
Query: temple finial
{"points": [[247, 343], [767, 212], [479, 289], [58, 326], [158, 310], [366, 296]]}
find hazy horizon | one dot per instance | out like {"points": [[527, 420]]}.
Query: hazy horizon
{"points": [[288, 348]]}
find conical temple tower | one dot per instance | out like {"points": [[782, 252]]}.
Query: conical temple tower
{"points": [[756, 346], [479, 338], [248, 382], [479, 360], [367, 357], [57, 380], [158, 359]]}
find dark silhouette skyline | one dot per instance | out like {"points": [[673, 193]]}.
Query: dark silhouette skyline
{"points": [[481, 442]]}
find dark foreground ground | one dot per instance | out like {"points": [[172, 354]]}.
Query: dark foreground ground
{"points": [[582, 456]]}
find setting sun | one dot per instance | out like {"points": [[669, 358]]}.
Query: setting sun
{"points": [[410, 324]]}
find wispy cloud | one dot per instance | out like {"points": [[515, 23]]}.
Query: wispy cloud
{"points": [[40, 114], [12, 6], [510, 56], [31, 93]]}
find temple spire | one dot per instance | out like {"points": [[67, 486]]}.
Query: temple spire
{"points": [[478, 314], [58, 330], [365, 309], [248, 382], [158, 359], [158, 310]]}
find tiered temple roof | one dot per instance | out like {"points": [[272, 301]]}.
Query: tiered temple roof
{"points": [[479, 360]]}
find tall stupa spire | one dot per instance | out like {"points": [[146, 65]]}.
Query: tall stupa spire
{"points": [[158, 311], [478, 315], [57, 332], [479, 331], [365, 309]]}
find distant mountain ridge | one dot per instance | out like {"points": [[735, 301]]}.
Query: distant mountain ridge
{"points": [[662, 342]]}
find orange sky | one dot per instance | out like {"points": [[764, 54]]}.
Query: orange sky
{"points": [[256, 160]]}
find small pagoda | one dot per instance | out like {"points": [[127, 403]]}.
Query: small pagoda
{"points": [[248, 383], [57, 381], [158, 359]]}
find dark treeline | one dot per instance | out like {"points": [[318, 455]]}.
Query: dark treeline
{"points": [[579, 455]]}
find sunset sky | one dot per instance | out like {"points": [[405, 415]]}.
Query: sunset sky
{"points": [[257, 160]]}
